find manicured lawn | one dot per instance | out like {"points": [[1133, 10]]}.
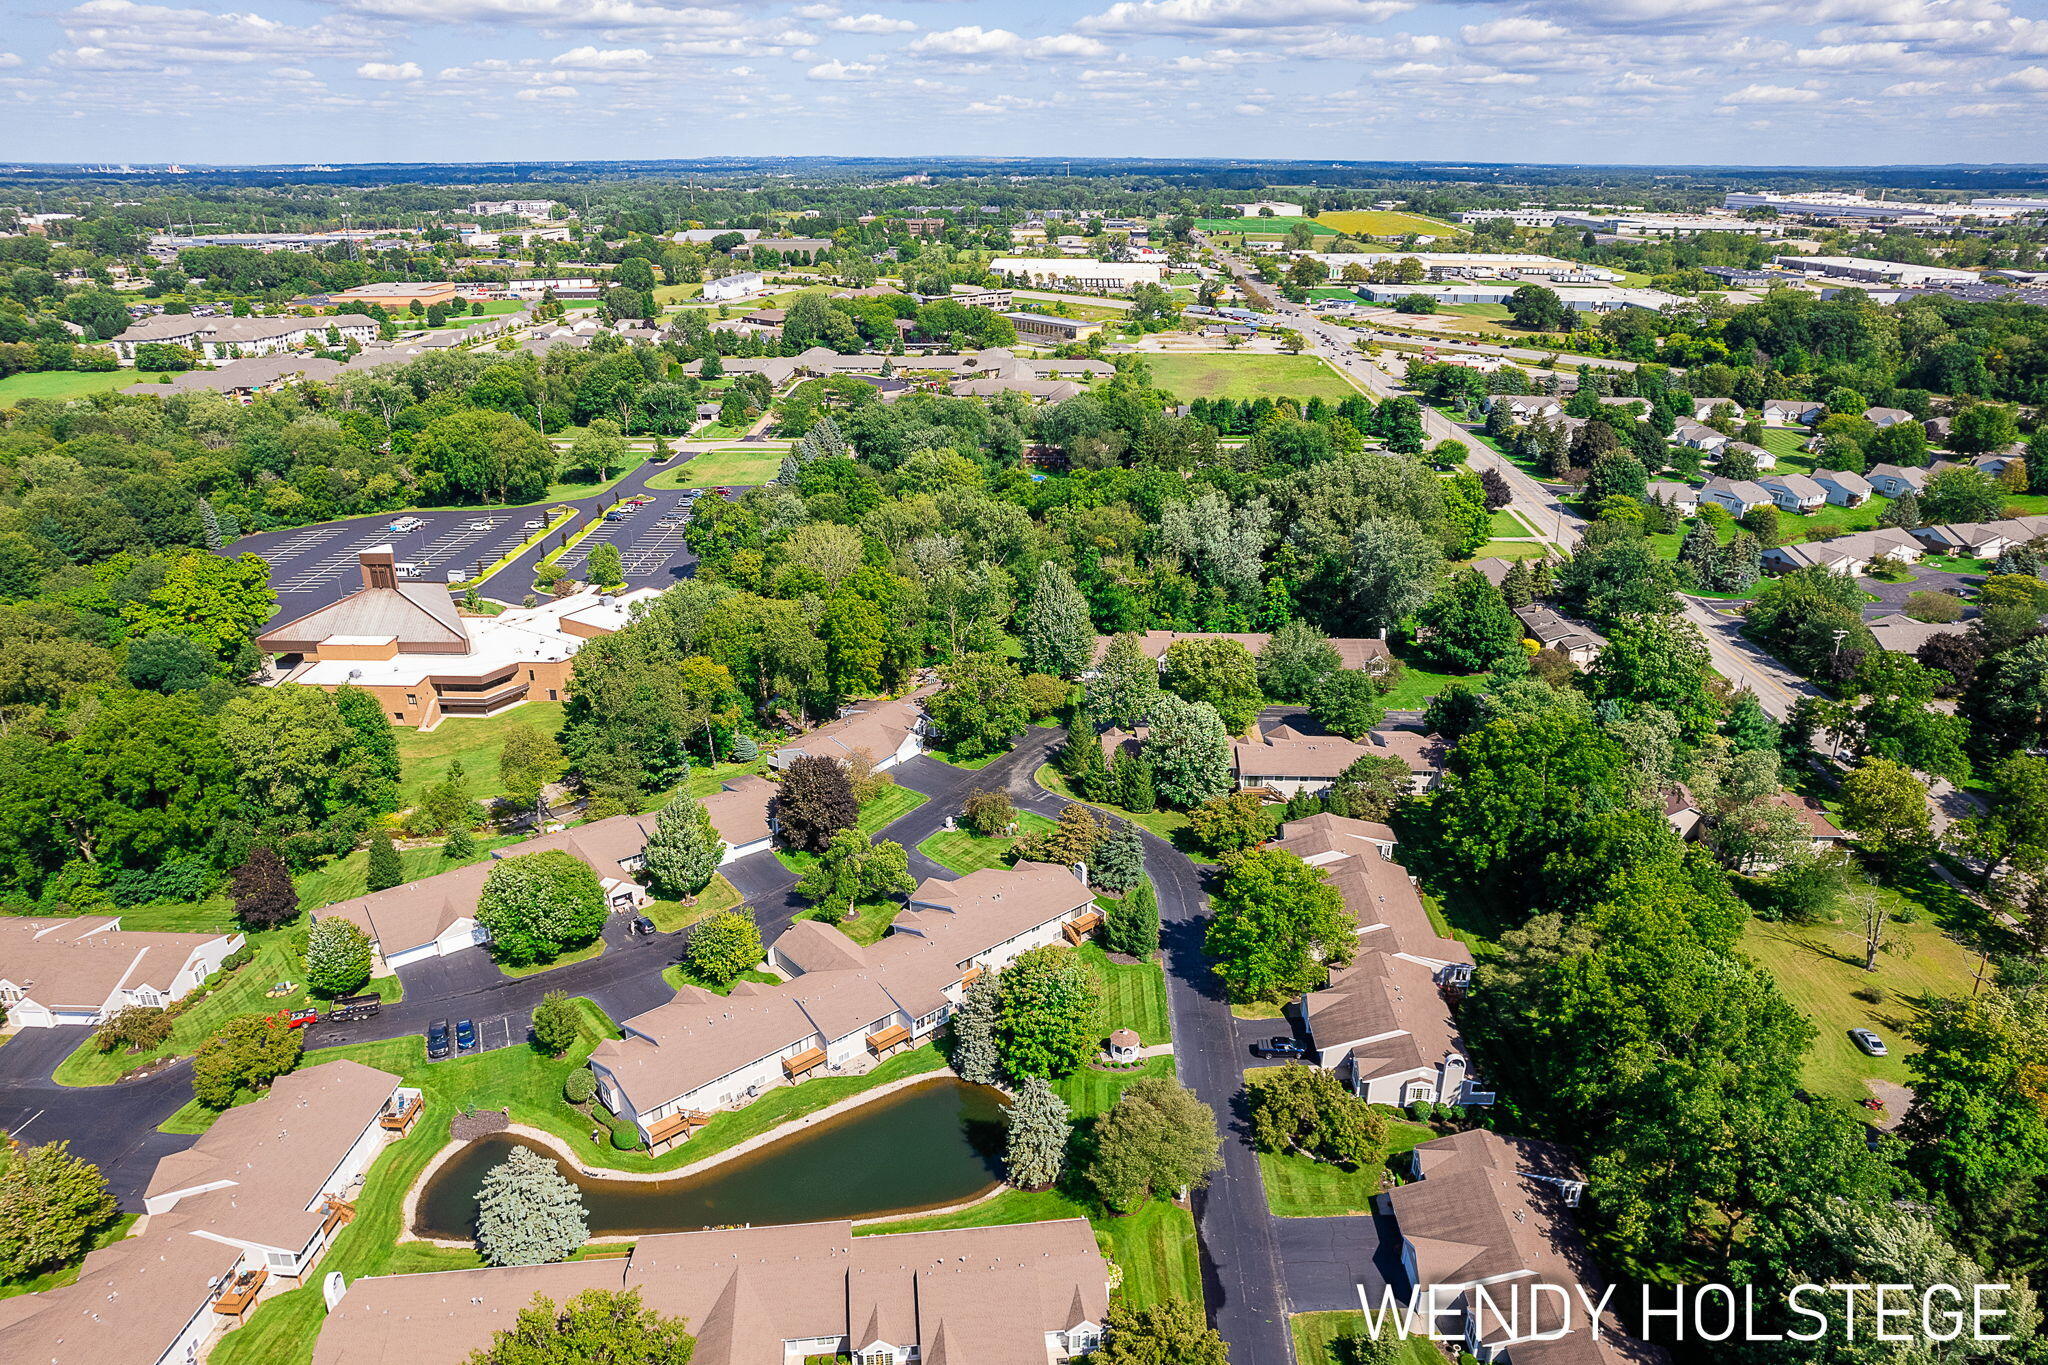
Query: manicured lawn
{"points": [[1167, 824], [963, 852], [1511, 549], [1316, 1336], [1489, 312], [870, 920], [1089, 1093], [69, 383], [1267, 227], [594, 948], [1418, 684], [889, 805], [345, 878], [1157, 1249], [669, 916], [579, 483], [476, 740], [1385, 223], [1819, 968], [1238, 375], [742, 466], [1134, 996], [1301, 1187], [945, 755]]}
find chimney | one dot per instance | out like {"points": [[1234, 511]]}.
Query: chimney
{"points": [[379, 570]]}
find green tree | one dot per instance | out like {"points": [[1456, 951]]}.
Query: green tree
{"points": [[1278, 925], [1983, 429], [814, 803], [527, 762], [974, 1057], [1125, 684], [166, 662], [1229, 823], [683, 853], [1962, 495], [1119, 861], [1467, 626], [981, 707], [1054, 626], [1189, 750], [1040, 1127], [528, 1213], [1220, 672], [52, 1205], [338, 957], [1080, 759], [1132, 926], [479, 455], [1887, 804], [247, 1052], [1370, 787], [1295, 659], [1157, 1140], [1536, 308], [536, 906], [1050, 1017], [596, 1327], [447, 805], [853, 872], [1348, 702], [725, 947], [599, 448], [604, 566], [384, 869], [216, 602], [555, 1028], [1394, 567], [1659, 662], [1306, 1109], [1072, 839], [1170, 1332]]}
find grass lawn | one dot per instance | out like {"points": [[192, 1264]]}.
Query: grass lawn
{"points": [[492, 308], [1267, 227], [1819, 967], [68, 1274], [1511, 549], [345, 878], [1383, 223], [973, 765], [1238, 375], [1134, 996], [69, 383], [669, 916], [594, 948], [582, 483], [1489, 312], [1170, 825], [1418, 684], [1301, 1187], [423, 758], [744, 466], [868, 922], [1316, 1336], [963, 851]]}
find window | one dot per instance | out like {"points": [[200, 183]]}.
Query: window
{"points": [[552, 696], [412, 699], [282, 1260], [398, 715]]}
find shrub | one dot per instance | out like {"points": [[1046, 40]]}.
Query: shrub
{"points": [[139, 1028], [579, 1087], [988, 813], [238, 959]]}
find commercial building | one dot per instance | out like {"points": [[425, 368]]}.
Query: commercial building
{"points": [[1021, 1294], [844, 1007], [229, 338], [84, 970], [1041, 327], [253, 1202], [1664, 224], [713, 234], [521, 208], [1873, 272], [1470, 265], [1528, 218], [1819, 204], [808, 248], [726, 288], [1078, 273], [398, 296]]}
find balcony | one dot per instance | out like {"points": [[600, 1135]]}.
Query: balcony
{"points": [[240, 1292], [400, 1113], [805, 1062], [678, 1125], [1082, 925], [893, 1036]]}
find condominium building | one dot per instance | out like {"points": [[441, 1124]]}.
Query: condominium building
{"points": [[218, 338], [83, 970]]}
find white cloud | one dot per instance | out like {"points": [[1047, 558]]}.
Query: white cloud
{"points": [[1770, 94], [1514, 29], [602, 59], [549, 92], [972, 40], [2026, 78], [8, 59], [870, 23], [1912, 89], [1211, 16], [836, 70], [1249, 110], [387, 71], [120, 34]]}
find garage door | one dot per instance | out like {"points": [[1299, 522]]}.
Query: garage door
{"points": [[412, 955]]}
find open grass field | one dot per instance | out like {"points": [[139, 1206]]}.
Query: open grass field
{"points": [[963, 851], [1316, 1336], [744, 466], [1418, 684], [1382, 223], [344, 877], [1237, 375], [1264, 227], [1820, 969], [423, 758], [69, 383], [1134, 996]]}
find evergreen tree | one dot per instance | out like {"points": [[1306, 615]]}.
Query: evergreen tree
{"points": [[975, 1057], [1133, 923], [1904, 512], [1081, 759], [1517, 586], [528, 1213], [1055, 631], [684, 851], [1747, 727], [209, 520], [263, 892], [1119, 859], [1701, 551], [461, 845], [338, 957], [1131, 784], [1040, 1127], [385, 868], [1739, 564], [554, 1024], [743, 749], [1124, 686]]}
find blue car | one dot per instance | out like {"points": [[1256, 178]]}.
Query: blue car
{"points": [[465, 1035]]}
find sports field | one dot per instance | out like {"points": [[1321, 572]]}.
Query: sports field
{"points": [[1228, 375], [1380, 223]]}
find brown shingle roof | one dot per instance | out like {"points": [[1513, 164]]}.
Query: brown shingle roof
{"points": [[1287, 752], [739, 809], [77, 964], [420, 616]]}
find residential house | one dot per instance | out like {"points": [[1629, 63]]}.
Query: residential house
{"points": [[1696, 436], [1938, 429], [1037, 390], [1895, 481], [1843, 488], [1284, 762], [256, 1199], [1683, 810], [1901, 634], [83, 970], [1851, 554], [1822, 832], [1371, 656], [1420, 750], [1383, 1023], [1886, 417], [886, 731], [1577, 642], [1794, 492], [1763, 459], [1792, 412], [1705, 409], [1997, 464], [1017, 1294], [1525, 407], [1682, 496], [844, 1006], [1486, 1222], [1738, 496]]}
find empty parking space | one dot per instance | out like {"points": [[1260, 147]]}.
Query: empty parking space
{"points": [[314, 571]]}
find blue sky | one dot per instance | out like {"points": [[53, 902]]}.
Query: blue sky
{"points": [[1746, 81]]}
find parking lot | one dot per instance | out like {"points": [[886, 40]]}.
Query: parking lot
{"points": [[492, 1033], [649, 540]]}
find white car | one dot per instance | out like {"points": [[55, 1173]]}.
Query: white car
{"points": [[1868, 1042]]}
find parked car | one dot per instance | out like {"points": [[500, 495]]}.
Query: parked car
{"points": [[643, 925], [465, 1035], [532, 524], [355, 1007], [301, 1018], [437, 1040], [1869, 1042], [1282, 1045], [641, 500]]}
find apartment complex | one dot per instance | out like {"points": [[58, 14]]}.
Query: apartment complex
{"points": [[83, 970], [1090, 276], [884, 732], [218, 338], [1025, 1294], [843, 1007]]}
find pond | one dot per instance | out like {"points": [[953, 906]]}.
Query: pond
{"points": [[925, 1147]]}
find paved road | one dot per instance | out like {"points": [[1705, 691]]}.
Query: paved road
{"points": [[112, 1126], [1740, 660]]}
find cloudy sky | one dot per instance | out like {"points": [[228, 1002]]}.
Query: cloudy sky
{"points": [[1746, 81]]}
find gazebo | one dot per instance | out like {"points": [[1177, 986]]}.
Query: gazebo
{"points": [[1123, 1045]]}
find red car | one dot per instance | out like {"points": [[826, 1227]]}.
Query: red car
{"points": [[301, 1018], [642, 500]]}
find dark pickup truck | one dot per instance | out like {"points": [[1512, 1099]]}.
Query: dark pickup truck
{"points": [[355, 1007]]}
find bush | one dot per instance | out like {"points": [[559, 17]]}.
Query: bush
{"points": [[988, 813], [1937, 607], [139, 1028], [579, 1087], [238, 959], [625, 1136]]}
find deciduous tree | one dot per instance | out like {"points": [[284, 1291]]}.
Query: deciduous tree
{"points": [[538, 905], [249, 1051], [338, 957], [51, 1205], [1277, 925], [1050, 1017], [725, 947], [814, 803], [1157, 1140]]}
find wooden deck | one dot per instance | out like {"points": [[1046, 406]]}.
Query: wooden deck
{"points": [[240, 1293]]}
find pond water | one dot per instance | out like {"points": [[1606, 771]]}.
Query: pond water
{"points": [[925, 1147]]}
